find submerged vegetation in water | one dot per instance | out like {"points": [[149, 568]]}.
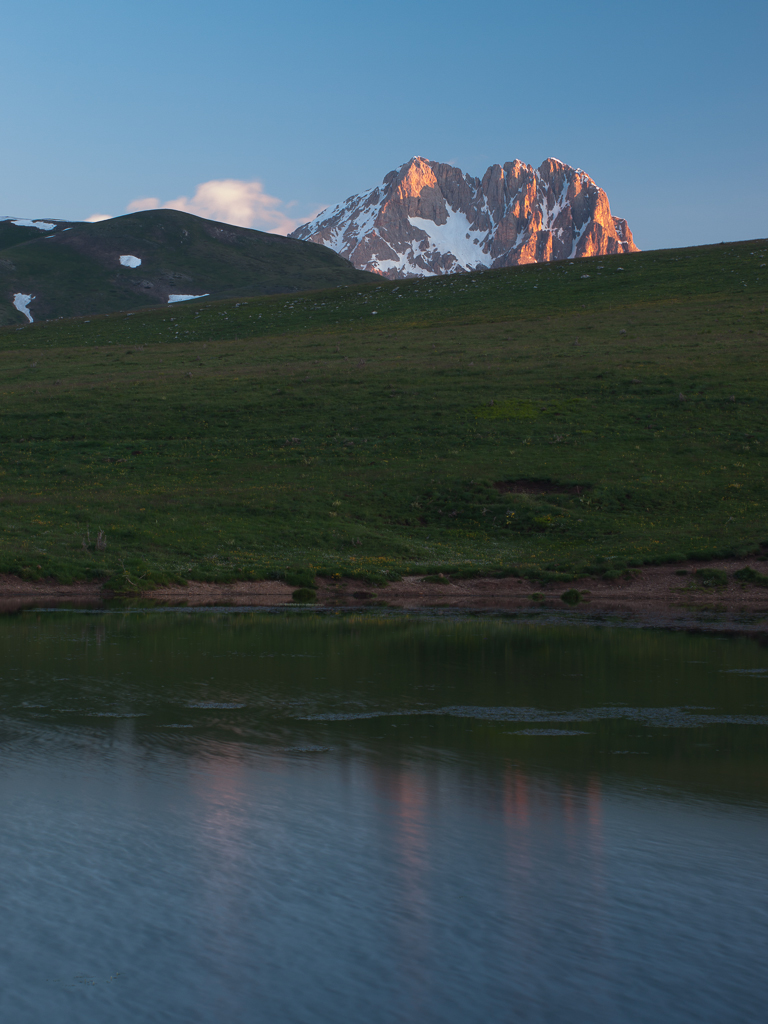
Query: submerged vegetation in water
{"points": [[528, 421]]}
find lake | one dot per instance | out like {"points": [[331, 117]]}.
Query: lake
{"points": [[251, 817]]}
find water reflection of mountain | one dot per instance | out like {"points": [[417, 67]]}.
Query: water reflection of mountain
{"points": [[639, 707]]}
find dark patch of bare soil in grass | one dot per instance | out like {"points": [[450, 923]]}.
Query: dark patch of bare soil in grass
{"points": [[539, 487]]}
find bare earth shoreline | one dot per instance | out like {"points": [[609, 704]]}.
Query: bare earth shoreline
{"points": [[658, 596]]}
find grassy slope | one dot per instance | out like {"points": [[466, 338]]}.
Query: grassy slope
{"points": [[77, 271], [236, 439]]}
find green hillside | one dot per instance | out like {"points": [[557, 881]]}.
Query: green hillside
{"points": [[75, 270], [14, 234], [547, 418]]}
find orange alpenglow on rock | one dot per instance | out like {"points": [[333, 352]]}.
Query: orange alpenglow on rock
{"points": [[431, 218]]}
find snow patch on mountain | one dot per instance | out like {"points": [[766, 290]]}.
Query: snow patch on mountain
{"points": [[457, 237], [21, 302], [130, 261]]}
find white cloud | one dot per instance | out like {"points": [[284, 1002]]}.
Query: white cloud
{"points": [[244, 203], [143, 204]]}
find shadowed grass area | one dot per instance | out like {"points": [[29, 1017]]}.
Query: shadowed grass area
{"points": [[549, 418]]}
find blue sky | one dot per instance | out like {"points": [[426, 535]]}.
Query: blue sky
{"points": [[662, 103]]}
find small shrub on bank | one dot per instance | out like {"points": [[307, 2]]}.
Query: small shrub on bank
{"points": [[749, 575], [712, 577]]}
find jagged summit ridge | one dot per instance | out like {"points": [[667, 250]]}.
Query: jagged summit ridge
{"points": [[430, 218]]}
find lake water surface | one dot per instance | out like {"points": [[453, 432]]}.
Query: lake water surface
{"points": [[243, 817]]}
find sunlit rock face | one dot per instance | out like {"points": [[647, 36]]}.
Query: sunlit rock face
{"points": [[430, 218]]}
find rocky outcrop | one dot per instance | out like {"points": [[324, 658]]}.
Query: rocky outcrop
{"points": [[430, 218]]}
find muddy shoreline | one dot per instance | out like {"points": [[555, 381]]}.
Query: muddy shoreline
{"points": [[669, 596]]}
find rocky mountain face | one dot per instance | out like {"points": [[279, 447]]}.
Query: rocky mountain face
{"points": [[430, 218]]}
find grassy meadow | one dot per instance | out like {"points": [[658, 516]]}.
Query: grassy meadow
{"points": [[546, 419]]}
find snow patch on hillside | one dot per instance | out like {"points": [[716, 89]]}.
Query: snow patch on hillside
{"points": [[186, 298], [21, 302], [41, 225], [130, 261]]}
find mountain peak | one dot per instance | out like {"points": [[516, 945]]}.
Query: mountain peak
{"points": [[428, 218]]}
